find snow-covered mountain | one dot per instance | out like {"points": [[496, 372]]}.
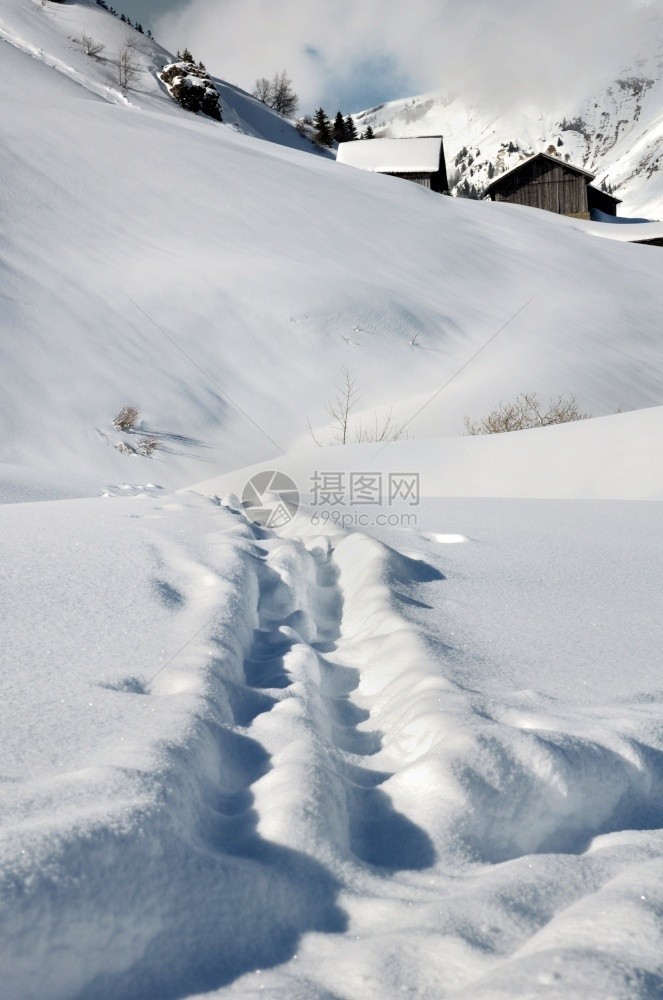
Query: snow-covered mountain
{"points": [[614, 130]]}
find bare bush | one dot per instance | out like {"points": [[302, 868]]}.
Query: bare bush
{"points": [[381, 429], [90, 47], [344, 430], [147, 446], [128, 68], [127, 418], [525, 413]]}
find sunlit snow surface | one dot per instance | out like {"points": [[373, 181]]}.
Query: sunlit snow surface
{"points": [[360, 768], [348, 759]]}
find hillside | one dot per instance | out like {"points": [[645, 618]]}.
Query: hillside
{"points": [[614, 130], [397, 735], [190, 273]]}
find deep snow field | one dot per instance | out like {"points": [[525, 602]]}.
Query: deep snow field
{"points": [[405, 745]]}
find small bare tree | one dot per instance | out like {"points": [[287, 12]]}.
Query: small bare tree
{"points": [[90, 47], [128, 68], [525, 413], [277, 93], [284, 99], [262, 89], [340, 410]]}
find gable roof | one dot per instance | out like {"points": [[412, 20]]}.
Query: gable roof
{"points": [[544, 156], [393, 156]]}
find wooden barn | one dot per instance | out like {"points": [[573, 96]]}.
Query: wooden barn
{"points": [[601, 201], [547, 182], [419, 159]]}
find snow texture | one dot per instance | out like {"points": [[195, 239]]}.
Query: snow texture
{"points": [[408, 749], [396, 156]]}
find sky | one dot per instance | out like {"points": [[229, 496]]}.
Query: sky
{"points": [[350, 55]]}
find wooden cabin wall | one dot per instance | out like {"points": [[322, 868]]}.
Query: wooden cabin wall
{"points": [[546, 185], [423, 179]]}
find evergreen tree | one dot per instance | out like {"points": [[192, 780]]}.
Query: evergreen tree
{"points": [[322, 128], [338, 131], [350, 131], [368, 134]]}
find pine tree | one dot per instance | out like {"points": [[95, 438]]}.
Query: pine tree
{"points": [[338, 131], [322, 128], [368, 134], [350, 131]]}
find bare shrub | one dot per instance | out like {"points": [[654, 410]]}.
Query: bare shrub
{"points": [[128, 68], [525, 413], [343, 430], [147, 446], [127, 418], [90, 47], [382, 429], [124, 448]]}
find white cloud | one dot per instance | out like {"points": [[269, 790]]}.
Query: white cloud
{"points": [[357, 52]]}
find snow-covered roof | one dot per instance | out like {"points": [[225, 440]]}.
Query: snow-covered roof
{"points": [[393, 156], [557, 160]]}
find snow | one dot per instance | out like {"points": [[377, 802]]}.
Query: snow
{"points": [[392, 155], [625, 230], [615, 457], [404, 748]]}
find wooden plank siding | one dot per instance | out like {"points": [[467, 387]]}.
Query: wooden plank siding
{"points": [[423, 179], [540, 183]]}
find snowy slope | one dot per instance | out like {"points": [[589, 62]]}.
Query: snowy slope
{"points": [[328, 766], [412, 750], [188, 268], [615, 130]]}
